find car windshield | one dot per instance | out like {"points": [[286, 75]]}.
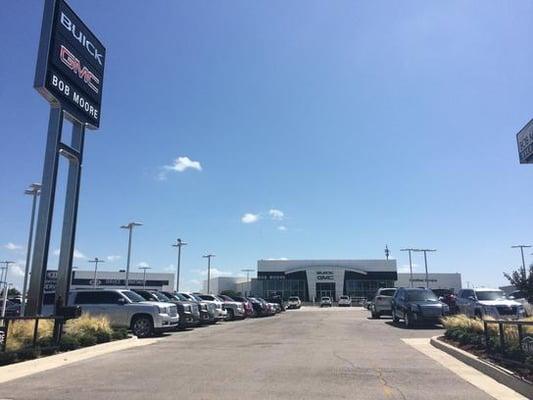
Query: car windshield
{"points": [[387, 292], [132, 296], [161, 296], [344, 297], [325, 298], [490, 295], [293, 299], [182, 297], [421, 295]]}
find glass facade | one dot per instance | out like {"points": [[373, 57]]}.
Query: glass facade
{"points": [[365, 288], [281, 287]]}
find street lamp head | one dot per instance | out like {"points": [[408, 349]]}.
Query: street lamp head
{"points": [[518, 246], [33, 189], [131, 225]]}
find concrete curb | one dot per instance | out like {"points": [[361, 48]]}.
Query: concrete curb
{"points": [[499, 374], [30, 367]]}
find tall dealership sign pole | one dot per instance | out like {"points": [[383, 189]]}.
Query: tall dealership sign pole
{"points": [[178, 244], [69, 75], [522, 247], [34, 191]]}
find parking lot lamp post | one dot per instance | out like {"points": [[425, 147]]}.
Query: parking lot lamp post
{"points": [[410, 266], [387, 252], [425, 251], [522, 247], [247, 270], [144, 275], [33, 190], [95, 261], [178, 244], [208, 256], [4, 279], [130, 227]]}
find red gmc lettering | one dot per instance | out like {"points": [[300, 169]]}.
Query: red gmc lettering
{"points": [[74, 64]]}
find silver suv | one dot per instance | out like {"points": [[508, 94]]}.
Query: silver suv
{"points": [[126, 308], [381, 304], [483, 302]]}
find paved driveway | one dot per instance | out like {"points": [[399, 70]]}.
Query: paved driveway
{"points": [[306, 354]]}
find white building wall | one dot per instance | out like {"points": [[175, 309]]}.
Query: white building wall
{"points": [[436, 280], [221, 283], [115, 279]]}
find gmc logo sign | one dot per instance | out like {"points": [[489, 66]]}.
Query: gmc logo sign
{"points": [[74, 64]]}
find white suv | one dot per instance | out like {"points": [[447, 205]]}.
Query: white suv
{"points": [[326, 302], [345, 301], [220, 311], [294, 302], [488, 302], [128, 309]]}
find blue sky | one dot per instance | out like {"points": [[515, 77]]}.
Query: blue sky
{"points": [[364, 123]]}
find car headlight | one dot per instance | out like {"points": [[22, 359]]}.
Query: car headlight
{"points": [[161, 310], [203, 307], [445, 308], [187, 307], [521, 310]]}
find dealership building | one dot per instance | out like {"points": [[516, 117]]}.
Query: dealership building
{"points": [[312, 279]]}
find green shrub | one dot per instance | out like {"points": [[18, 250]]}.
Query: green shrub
{"points": [[87, 339], [69, 342], [119, 333]]}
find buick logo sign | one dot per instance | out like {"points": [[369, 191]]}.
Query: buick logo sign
{"points": [[70, 65]]}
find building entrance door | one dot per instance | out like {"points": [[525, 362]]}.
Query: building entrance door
{"points": [[324, 289]]}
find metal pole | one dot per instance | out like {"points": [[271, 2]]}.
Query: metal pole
{"points": [[208, 256], [410, 265], [426, 265], [44, 219], [521, 247], [95, 261], [4, 302], [129, 258], [144, 275], [34, 191], [178, 244]]}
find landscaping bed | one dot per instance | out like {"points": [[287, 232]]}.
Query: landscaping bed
{"points": [[81, 332], [468, 334]]}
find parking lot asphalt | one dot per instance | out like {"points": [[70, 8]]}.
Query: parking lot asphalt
{"points": [[309, 353]]}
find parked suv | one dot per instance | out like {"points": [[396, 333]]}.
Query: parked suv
{"points": [[126, 308], [345, 301], [208, 311], [248, 308], [381, 304], [188, 316], [234, 308], [221, 312], [488, 302], [294, 302], [326, 302], [415, 305]]}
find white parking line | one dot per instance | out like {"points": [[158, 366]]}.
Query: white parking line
{"points": [[469, 374]]}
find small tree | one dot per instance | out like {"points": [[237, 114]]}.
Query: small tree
{"points": [[522, 280]]}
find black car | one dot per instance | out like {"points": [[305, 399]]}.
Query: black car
{"points": [[415, 305], [260, 307], [188, 316]]}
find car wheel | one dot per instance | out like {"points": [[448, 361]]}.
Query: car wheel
{"points": [[395, 318], [408, 320], [142, 327], [231, 315]]}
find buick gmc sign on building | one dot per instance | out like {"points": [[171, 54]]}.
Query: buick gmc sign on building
{"points": [[70, 64]]}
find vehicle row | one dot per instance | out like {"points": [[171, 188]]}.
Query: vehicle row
{"points": [[148, 312], [415, 305]]}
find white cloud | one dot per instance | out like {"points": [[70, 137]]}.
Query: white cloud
{"points": [[282, 228], [13, 246], [183, 163], [249, 218], [113, 258], [276, 215]]}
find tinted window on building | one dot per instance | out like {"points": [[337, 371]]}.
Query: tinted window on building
{"points": [[97, 298]]}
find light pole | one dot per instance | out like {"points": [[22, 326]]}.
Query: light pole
{"points": [[4, 276], [425, 251], [129, 227], [522, 247], [410, 266], [208, 256], [144, 275], [178, 244], [33, 190], [387, 252], [248, 277], [95, 261]]}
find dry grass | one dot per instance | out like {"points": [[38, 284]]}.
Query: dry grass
{"points": [[88, 325], [20, 333], [461, 321]]}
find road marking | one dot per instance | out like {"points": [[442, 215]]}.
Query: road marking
{"points": [[469, 374]]}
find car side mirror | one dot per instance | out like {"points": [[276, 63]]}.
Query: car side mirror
{"points": [[471, 298], [121, 301]]}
